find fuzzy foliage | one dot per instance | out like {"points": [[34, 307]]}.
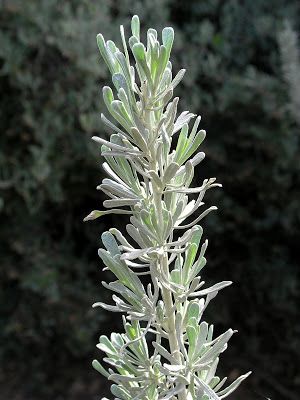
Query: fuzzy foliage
{"points": [[150, 160], [49, 107]]}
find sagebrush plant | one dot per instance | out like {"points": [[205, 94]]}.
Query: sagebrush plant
{"points": [[150, 173]]}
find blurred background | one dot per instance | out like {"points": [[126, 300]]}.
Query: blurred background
{"points": [[243, 77]]}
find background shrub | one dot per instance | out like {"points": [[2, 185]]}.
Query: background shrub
{"points": [[50, 76]]}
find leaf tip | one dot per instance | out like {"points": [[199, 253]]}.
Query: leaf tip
{"points": [[92, 215]]}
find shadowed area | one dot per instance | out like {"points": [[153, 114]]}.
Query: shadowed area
{"points": [[243, 77]]}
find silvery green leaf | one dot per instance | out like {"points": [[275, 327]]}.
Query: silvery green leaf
{"points": [[121, 306], [127, 104], [143, 228], [160, 151], [210, 375], [170, 172], [210, 334], [98, 367], [172, 392], [156, 179], [115, 146], [112, 126], [170, 115], [178, 78], [107, 307], [167, 97], [110, 243], [154, 57], [188, 207], [191, 252], [220, 384], [139, 53], [120, 392], [129, 295], [119, 237], [108, 97], [190, 190], [231, 388], [166, 78], [197, 158], [195, 143], [192, 339], [195, 284], [168, 38], [174, 367], [162, 62], [125, 378], [122, 272], [181, 143], [119, 82], [176, 276], [135, 26], [96, 214], [116, 339], [213, 382], [178, 210], [106, 345], [112, 174], [116, 109], [195, 221], [139, 139], [212, 289], [195, 127], [151, 42], [139, 344], [132, 255], [188, 147], [194, 310], [117, 189], [122, 167], [119, 110], [123, 63], [217, 348], [104, 53], [203, 331], [122, 32], [164, 352], [184, 238], [184, 118], [135, 234], [120, 203], [132, 41], [111, 46], [206, 389]]}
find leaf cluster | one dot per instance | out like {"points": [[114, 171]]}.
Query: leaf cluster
{"points": [[150, 177]]}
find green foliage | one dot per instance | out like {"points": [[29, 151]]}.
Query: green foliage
{"points": [[290, 58], [49, 107], [182, 361], [49, 79]]}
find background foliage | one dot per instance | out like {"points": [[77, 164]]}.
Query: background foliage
{"points": [[50, 76]]}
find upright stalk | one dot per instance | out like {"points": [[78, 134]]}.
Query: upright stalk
{"points": [[150, 173]]}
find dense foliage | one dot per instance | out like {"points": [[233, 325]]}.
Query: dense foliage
{"points": [[50, 106], [167, 350]]}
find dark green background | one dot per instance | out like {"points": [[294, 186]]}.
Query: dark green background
{"points": [[50, 80]]}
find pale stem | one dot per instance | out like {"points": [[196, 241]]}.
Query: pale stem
{"points": [[163, 260]]}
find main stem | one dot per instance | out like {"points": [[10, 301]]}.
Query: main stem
{"points": [[163, 264], [167, 297], [170, 312]]}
